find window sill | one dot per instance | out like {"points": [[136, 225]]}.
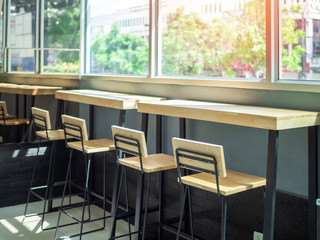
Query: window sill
{"points": [[279, 85], [67, 81]]}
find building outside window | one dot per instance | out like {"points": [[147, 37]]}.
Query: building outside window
{"points": [[198, 43], [61, 38], [22, 35], [204, 39], [300, 58], [115, 48]]}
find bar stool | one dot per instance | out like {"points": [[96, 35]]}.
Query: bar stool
{"points": [[42, 123], [133, 142], [75, 129], [208, 161], [8, 120]]}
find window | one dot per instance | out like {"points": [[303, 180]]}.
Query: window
{"points": [[199, 45], [118, 50], [40, 36], [61, 41], [300, 34], [1, 40], [22, 35], [206, 39]]}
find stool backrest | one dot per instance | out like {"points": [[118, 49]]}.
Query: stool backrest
{"points": [[41, 118], [74, 128], [130, 141], [199, 156], [3, 109]]}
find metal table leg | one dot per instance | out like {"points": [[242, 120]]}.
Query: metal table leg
{"points": [[60, 111], [160, 174], [28, 133], [91, 122], [139, 200], [270, 197], [312, 181], [183, 134], [116, 181]]}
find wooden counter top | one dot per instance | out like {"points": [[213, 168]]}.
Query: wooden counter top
{"points": [[105, 99], [28, 89], [242, 115]]}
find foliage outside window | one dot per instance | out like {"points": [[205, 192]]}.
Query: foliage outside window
{"points": [[199, 38], [205, 38], [61, 31], [118, 42], [300, 33], [22, 35]]}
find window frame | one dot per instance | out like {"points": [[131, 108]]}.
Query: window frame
{"points": [[39, 43], [271, 82]]}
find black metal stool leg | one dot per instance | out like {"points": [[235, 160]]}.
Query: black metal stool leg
{"points": [[160, 204], [52, 176], [114, 206], [146, 207], [223, 218], [182, 213], [48, 183], [139, 197], [6, 134], [104, 190], [70, 186], [127, 199], [190, 211], [87, 168], [64, 192], [86, 197], [32, 178]]}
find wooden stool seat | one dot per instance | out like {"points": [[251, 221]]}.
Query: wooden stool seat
{"points": [[235, 182], [208, 161], [133, 143], [76, 138], [152, 163], [93, 146], [15, 122], [52, 134]]}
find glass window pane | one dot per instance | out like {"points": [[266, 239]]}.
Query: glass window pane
{"points": [[118, 41], [22, 60], [22, 22], [61, 31], [198, 38], [300, 35], [1, 27], [1, 59], [61, 61], [62, 24]]}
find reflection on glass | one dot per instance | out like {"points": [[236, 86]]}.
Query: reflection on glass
{"points": [[62, 24], [300, 34], [212, 38], [118, 37], [198, 38], [61, 31], [22, 24], [22, 60], [61, 61], [1, 59], [1, 28]]}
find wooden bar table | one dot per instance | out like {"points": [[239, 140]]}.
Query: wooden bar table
{"points": [[121, 101], [271, 119], [27, 90], [31, 90]]}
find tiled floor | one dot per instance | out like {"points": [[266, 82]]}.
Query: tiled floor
{"points": [[14, 226]]}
